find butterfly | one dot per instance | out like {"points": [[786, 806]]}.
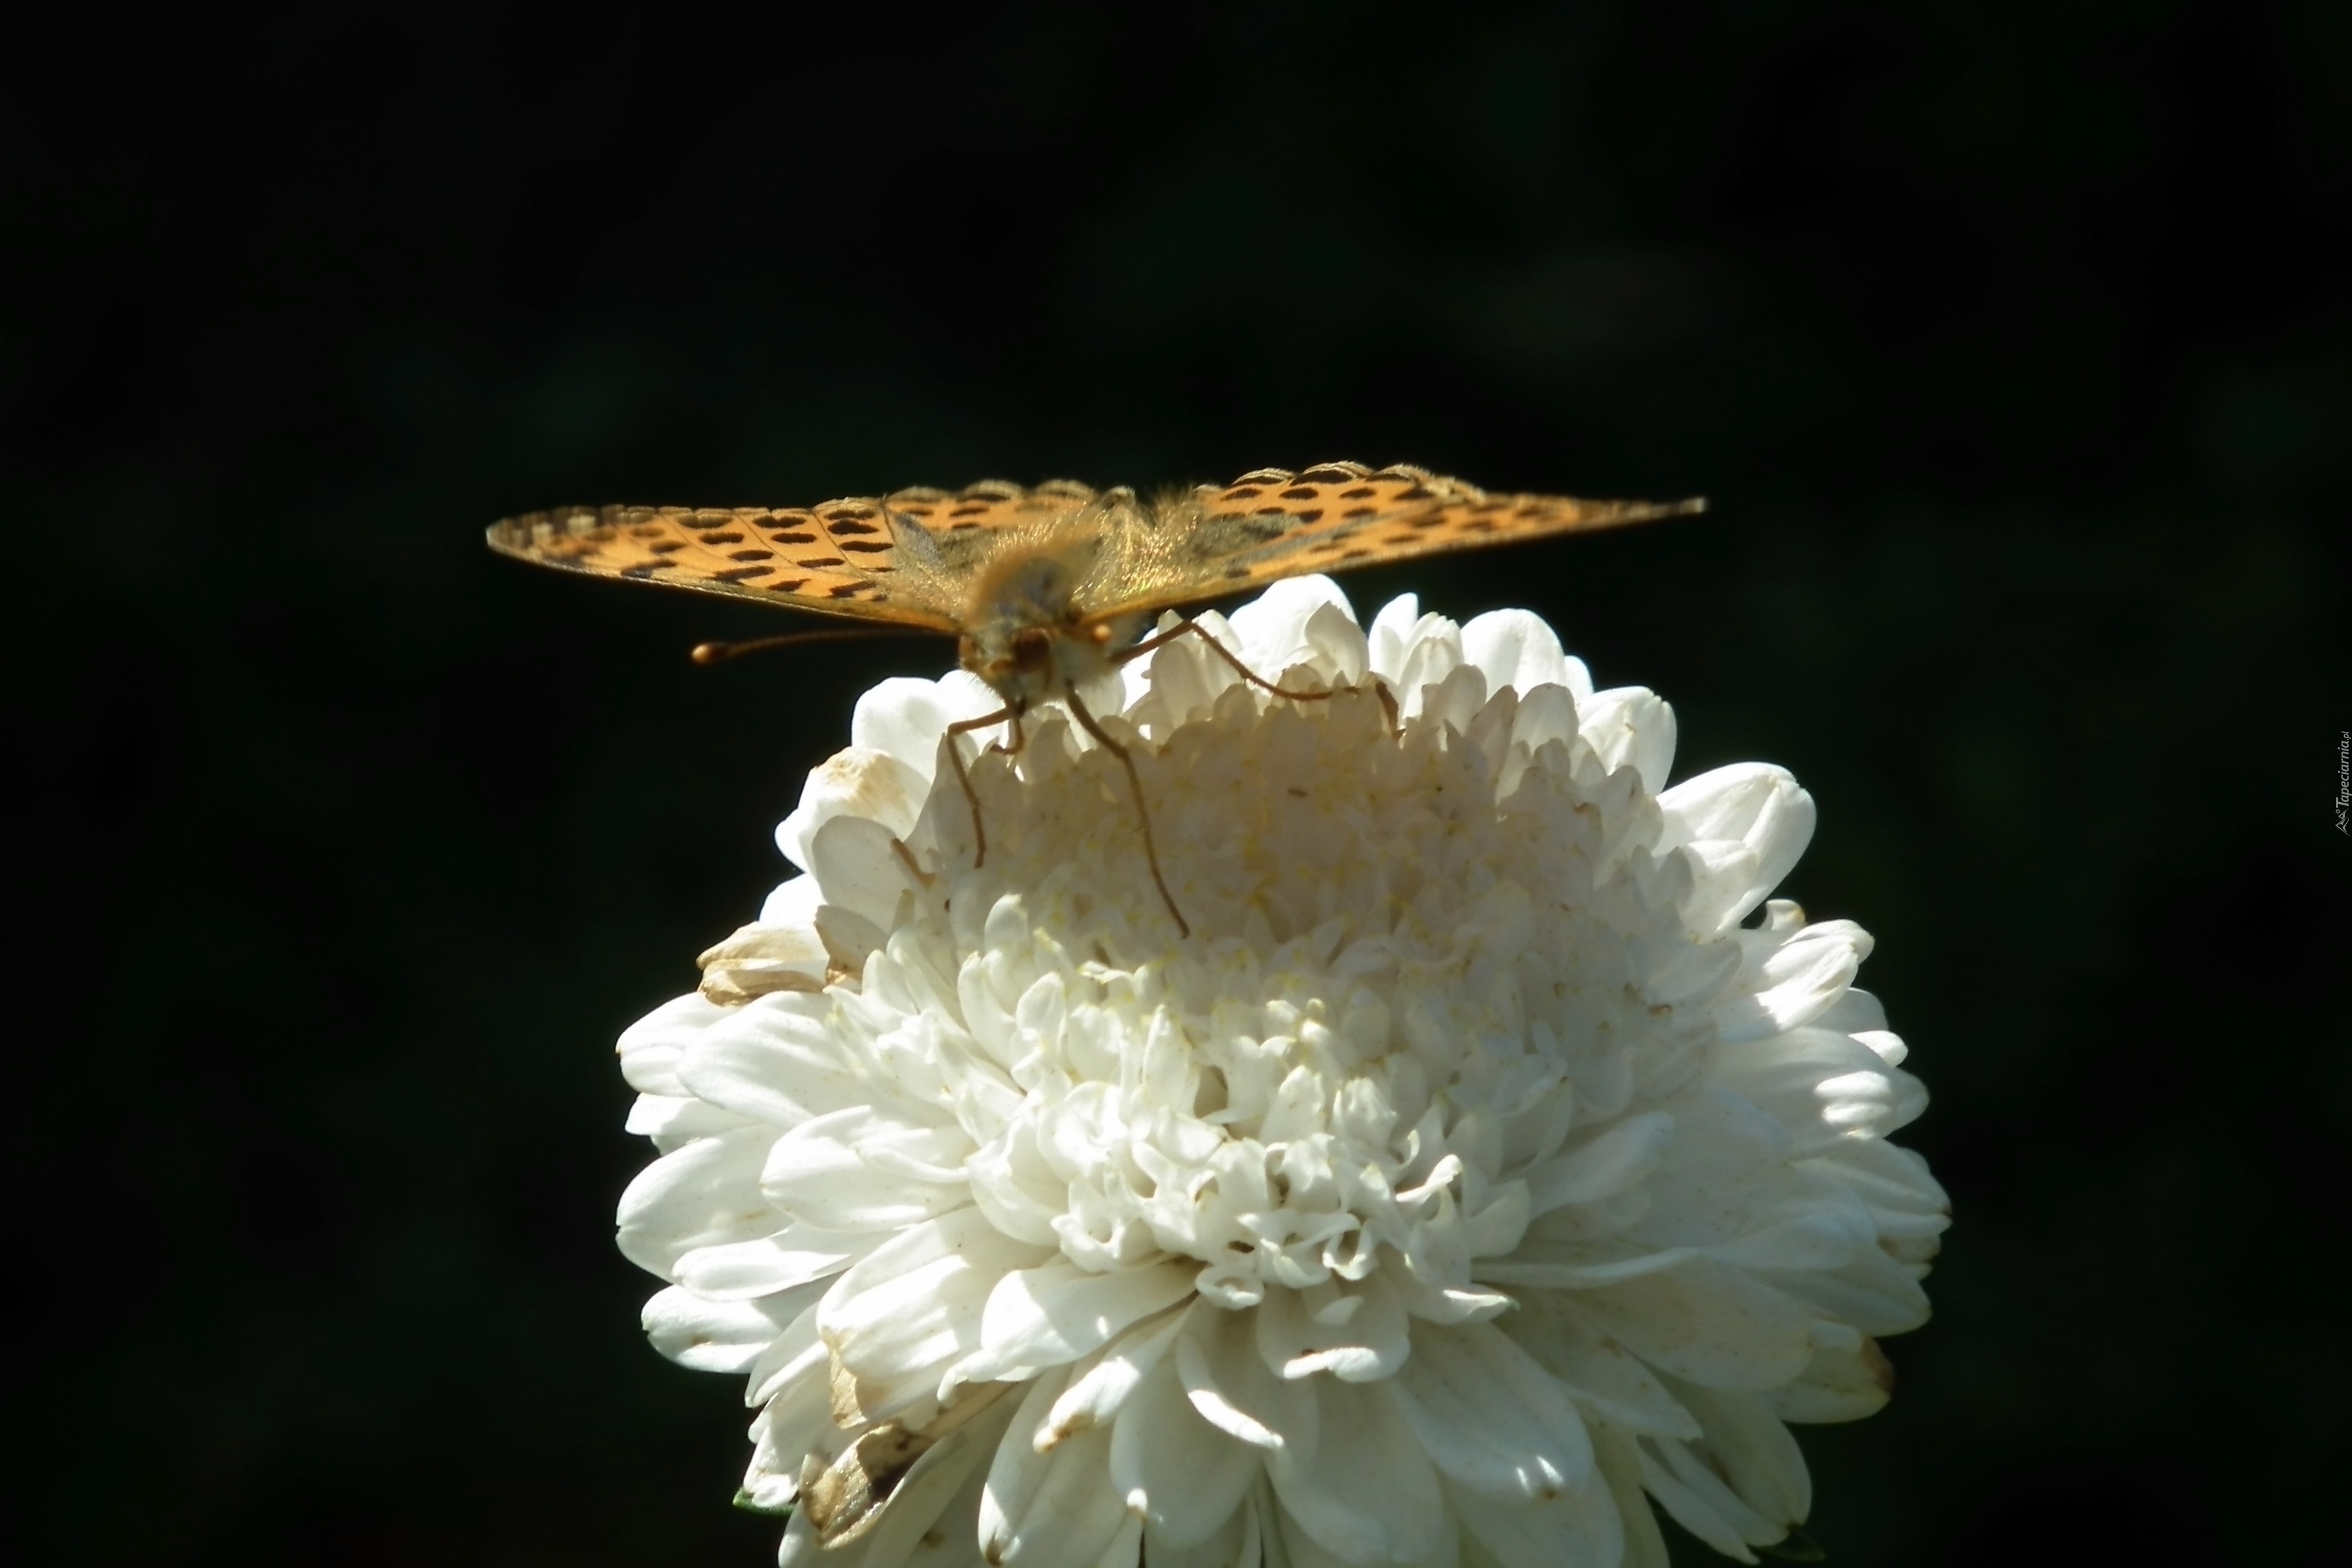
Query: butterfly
{"points": [[1049, 587]]}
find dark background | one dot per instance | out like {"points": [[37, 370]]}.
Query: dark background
{"points": [[2013, 345]]}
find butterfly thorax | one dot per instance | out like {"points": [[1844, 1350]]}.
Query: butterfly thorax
{"points": [[1024, 633]]}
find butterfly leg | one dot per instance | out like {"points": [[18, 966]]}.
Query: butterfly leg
{"points": [[1194, 628], [1143, 812], [962, 727]]}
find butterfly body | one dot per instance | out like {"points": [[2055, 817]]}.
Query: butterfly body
{"points": [[1027, 630]]}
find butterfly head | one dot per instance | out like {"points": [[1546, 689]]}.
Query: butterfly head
{"points": [[1023, 633], [1033, 662]]}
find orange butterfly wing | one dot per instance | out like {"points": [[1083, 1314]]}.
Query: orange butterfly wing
{"points": [[846, 557], [1273, 523]]}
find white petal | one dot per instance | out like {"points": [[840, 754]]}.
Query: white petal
{"points": [[705, 1194], [649, 1048], [1875, 1293], [1702, 1320], [857, 781], [905, 1312], [1053, 1314], [1514, 648], [858, 1169], [1492, 1419], [1797, 983], [954, 1542], [1274, 628], [1578, 1528], [853, 860], [1054, 1510], [1752, 807], [793, 1257], [1903, 1197], [1367, 1493], [1359, 1332], [1699, 1501], [1600, 1166], [1629, 726], [788, 1428], [1183, 1477], [1843, 1383], [1826, 1088], [1607, 1381], [1749, 1446], [1098, 1394], [796, 1361], [906, 718], [1230, 1385], [674, 1122], [1429, 653], [1597, 1266], [792, 903], [1236, 1545], [1620, 1457], [775, 1060], [717, 1336], [925, 1519], [1391, 634], [1291, 1546], [1856, 1013]]}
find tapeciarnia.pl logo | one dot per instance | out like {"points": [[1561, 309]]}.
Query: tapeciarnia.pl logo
{"points": [[2342, 779]]}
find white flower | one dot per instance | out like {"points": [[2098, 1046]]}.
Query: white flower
{"points": [[1471, 1171]]}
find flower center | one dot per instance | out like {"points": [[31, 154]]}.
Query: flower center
{"points": [[1390, 1000]]}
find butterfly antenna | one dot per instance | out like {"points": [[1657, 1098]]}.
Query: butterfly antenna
{"points": [[721, 652]]}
